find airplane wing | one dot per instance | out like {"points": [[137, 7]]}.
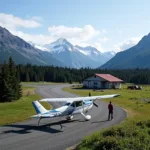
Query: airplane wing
{"points": [[78, 98]]}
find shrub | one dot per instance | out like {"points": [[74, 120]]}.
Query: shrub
{"points": [[135, 135]]}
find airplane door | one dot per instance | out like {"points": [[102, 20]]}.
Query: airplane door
{"points": [[71, 108], [79, 106]]}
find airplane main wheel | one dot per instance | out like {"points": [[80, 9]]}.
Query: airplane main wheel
{"points": [[87, 117], [69, 117]]}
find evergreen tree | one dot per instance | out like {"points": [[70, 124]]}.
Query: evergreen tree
{"points": [[12, 79], [58, 74], [27, 77], [10, 88], [4, 79]]}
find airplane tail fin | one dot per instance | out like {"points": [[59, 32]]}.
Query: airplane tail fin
{"points": [[38, 107]]}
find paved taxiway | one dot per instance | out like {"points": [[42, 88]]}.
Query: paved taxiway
{"points": [[55, 133]]}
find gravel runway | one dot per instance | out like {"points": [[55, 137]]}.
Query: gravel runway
{"points": [[56, 133]]}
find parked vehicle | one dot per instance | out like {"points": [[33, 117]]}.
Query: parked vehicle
{"points": [[134, 87]]}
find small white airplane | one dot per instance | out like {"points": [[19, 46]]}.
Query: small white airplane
{"points": [[72, 106]]}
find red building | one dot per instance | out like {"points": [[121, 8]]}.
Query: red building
{"points": [[102, 81]]}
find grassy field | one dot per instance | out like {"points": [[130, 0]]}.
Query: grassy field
{"points": [[38, 83], [133, 136], [21, 109], [134, 132], [135, 102]]}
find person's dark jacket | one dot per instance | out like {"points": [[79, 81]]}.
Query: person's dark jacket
{"points": [[110, 107]]}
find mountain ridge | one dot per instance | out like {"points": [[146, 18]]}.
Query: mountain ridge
{"points": [[22, 52], [59, 53], [77, 55], [134, 57]]}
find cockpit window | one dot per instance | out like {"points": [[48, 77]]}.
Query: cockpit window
{"points": [[67, 104], [73, 104], [78, 103]]}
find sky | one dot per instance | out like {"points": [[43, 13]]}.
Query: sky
{"points": [[108, 25]]}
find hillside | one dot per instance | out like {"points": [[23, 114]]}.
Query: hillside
{"points": [[134, 57], [22, 52]]}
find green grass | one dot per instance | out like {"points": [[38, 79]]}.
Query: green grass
{"points": [[135, 136], [38, 82], [134, 132], [131, 100], [21, 109]]}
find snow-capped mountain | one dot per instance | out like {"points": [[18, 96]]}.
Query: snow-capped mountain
{"points": [[88, 51], [58, 53], [59, 45], [65, 52], [77, 56], [38, 46], [96, 55]]}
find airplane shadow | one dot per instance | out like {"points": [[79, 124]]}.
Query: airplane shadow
{"points": [[49, 128], [99, 121]]}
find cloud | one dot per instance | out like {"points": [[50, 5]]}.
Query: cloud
{"points": [[86, 36], [104, 31], [126, 44], [83, 36], [37, 18], [45, 39], [98, 46], [73, 33], [103, 40], [10, 21], [37, 39]]}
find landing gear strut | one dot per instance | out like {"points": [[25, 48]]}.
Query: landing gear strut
{"points": [[39, 120]]}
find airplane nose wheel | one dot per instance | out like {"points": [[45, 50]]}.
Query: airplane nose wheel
{"points": [[87, 117], [70, 117]]}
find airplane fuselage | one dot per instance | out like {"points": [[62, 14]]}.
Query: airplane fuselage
{"points": [[70, 109], [73, 106]]}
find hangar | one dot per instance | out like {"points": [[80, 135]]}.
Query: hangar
{"points": [[102, 81]]}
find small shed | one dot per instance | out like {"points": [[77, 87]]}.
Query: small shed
{"points": [[102, 81]]}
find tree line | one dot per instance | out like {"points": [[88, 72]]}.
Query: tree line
{"points": [[32, 73], [11, 75]]}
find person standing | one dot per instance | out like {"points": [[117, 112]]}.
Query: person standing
{"points": [[89, 94], [110, 109]]}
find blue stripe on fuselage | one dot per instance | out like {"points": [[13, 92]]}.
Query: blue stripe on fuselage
{"points": [[86, 103], [51, 111]]}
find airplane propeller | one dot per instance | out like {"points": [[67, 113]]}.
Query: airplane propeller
{"points": [[95, 103]]}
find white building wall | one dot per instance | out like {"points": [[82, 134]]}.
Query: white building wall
{"points": [[93, 82], [97, 82]]}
